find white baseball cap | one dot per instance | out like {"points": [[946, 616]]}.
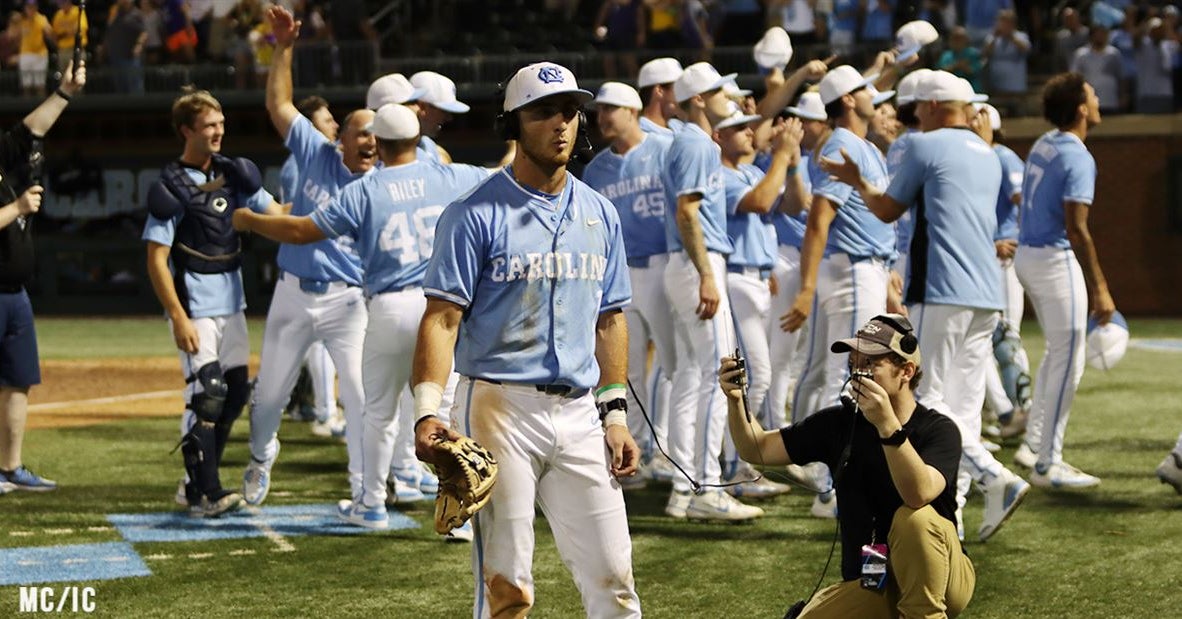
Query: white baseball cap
{"points": [[774, 49], [392, 88], [912, 36], [994, 115], [394, 122], [1106, 345], [438, 90], [658, 71], [842, 80], [944, 86], [905, 91], [879, 97], [699, 78], [809, 107], [619, 95], [541, 80], [736, 117], [734, 92]]}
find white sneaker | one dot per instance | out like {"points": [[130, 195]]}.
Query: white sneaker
{"points": [[1170, 471], [825, 505], [1002, 496], [1025, 456], [1063, 475], [991, 430], [399, 492], [812, 477], [678, 503], [661, 469], [990, 446], [717, 505], [761, 488], [460, 534], [256, 481], [357, 513], [333, 427]]}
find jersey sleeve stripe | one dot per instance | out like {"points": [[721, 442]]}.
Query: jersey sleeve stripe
{"points": [[615, 306], [1081, 200], [447, 296], [686, 192]]}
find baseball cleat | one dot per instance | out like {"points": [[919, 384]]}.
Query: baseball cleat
{"points": [[1002, 496], [460, 534], [661, 469], [24, 479], [428, 481], [6, 486], [679, 501], [813, 477], [359, 514], [1170, 471], [762, 488], [1062, 475], [716, 505], [256, 481], [990, 446], [399, 492], [825, 505], [333, 427], [229, 502], [1025, 456]]}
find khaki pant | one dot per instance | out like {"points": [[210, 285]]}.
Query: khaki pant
{"points": [[929, 575]]}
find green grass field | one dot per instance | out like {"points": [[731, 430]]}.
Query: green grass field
{"points": [[1099, 553]]}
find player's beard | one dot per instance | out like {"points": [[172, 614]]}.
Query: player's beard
{"points": [[545, 157]]}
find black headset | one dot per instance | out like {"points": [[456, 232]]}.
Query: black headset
{"points": [[507, 125], [899, 323]]}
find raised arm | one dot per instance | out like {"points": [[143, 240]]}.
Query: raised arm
{"points": [[280, 106], [41, 119], [754, 444]]}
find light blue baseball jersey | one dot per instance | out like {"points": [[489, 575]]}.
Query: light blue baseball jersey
{"points": [[747, 231], [322, 175], [855, 230], [905, 225], [209, 294], [1059, 169], [289, 180], [391, 214], [633, 182], [532, 273], [427, 150], [790, 230], [651, 127], [951, 176], [694, 165], [1011, 185]]}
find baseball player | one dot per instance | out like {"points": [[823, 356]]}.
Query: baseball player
{"points": [[1058, 266], [629, 174], [789, 219], [844, 252], [1007, 385], [526, 286], [904, 226], [695, 284], [194, 259], [750, 195], [20, 367], [655, 82], [319, 295], [391, 214], [327, 420], [395, 88], [436, 107], [952, 292]]}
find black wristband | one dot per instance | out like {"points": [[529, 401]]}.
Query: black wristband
{"points": [[61, 93], [618, 404], [897, 438]]}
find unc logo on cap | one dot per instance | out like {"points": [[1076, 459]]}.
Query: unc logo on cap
{"points": [[550, 75], [220, 204]]}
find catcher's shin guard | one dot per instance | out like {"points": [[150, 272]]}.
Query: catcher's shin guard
{"points": [[237, 395], [1016, 382], [199, 449]]}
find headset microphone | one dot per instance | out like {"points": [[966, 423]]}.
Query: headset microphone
{"points": [[584, 152]]}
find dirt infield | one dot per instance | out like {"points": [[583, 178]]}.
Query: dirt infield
{"points": [[89, 391]]}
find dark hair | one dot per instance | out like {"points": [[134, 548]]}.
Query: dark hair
{"points": [[646, 95], [310, 105], [897, 360], [1061, 98], [906, 113], [834, 110], [394, 146]]}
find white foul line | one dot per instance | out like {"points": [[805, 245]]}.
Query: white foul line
{"points": [[149, 395], [281, 543]]}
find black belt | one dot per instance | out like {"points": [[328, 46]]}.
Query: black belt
{"points": [[552, 389]]}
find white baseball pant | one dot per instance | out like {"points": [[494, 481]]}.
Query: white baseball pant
{"points": [[550, 451], [995, 393], [697, 410], [294, 320], [1055, 284], [751, 302], [956, 345], [787, 349], [219, 338], [649, 319], [849, 294], [324, 380]]}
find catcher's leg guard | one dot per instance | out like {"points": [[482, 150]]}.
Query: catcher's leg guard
{"points": [[1006, 346], [237, 395], [200, 445]]}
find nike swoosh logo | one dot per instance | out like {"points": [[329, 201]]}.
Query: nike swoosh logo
{"points": [[592, 222]]}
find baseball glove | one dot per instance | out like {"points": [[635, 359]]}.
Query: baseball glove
{"points": [[466, 473]]}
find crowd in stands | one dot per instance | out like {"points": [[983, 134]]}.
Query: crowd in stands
{"points": [[1128, 48]]}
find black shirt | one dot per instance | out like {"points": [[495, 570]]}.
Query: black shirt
{"points": [[866, 495], [16, 239]]}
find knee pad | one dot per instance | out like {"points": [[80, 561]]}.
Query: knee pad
{"points": [[208, 403]]}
